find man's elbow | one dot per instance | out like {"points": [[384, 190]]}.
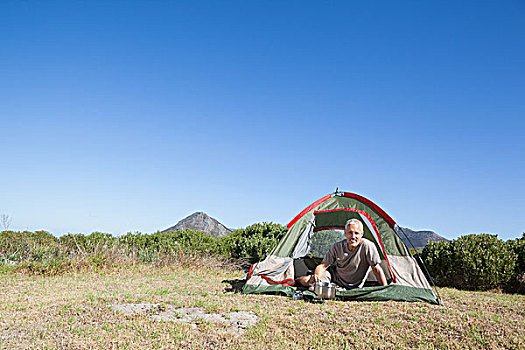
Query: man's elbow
{"points": [[380, 275]]}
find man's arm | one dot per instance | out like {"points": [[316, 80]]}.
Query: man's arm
{"points": [[309, 280], [378, 272], [319, 271]]}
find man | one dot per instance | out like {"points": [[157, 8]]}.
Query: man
{"points": [[347, 262]]}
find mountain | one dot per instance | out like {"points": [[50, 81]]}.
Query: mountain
{"points": [[201, 222], [419, 238]]}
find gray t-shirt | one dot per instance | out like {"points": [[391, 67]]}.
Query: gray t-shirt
{"points": [[351, 267]]}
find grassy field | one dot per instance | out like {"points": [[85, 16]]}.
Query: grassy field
{"points": [[72, 311]]}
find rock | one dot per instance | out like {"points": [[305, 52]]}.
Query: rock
{"points": [[237, 322]]}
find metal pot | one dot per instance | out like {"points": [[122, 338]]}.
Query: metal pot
{"points": [[325, 290]]}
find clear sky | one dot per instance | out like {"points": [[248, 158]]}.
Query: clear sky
{"points": [[121, 116]]}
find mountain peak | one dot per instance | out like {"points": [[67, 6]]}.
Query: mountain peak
{"points": [[201, 221], [419, 238]]}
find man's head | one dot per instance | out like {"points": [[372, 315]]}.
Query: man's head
{"points": [[353, 233]]}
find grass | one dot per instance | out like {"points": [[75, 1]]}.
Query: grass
{"points": [[71, 311]]}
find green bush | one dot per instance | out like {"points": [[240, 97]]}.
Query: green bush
{"points": [[517, 282], [40, 252], [253, 242], [150, 247], [16, 247], [79, 243], [472, 262], [189, 241]]}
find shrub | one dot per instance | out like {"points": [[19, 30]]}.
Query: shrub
{"points": [[39, 252], [163, 244], [16, 247], [191, 241], [517, 282], [81, 244], [252, 243], [473, 262]]}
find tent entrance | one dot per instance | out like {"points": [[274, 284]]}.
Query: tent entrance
{"points": [[335, 219]]}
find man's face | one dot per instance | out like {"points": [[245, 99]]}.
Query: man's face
{"points": [[353, 235]]}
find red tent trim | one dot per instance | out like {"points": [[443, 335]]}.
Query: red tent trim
{"points": [[250, 272], [287, 282], [345, 194], [373, 205], [307, 209]]}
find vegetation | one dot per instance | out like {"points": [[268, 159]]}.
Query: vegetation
{"points": [[517, 281], [477, 262], [254, 242], [43, 253]]}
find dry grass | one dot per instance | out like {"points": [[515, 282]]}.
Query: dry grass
{"points": [[71, 311]]}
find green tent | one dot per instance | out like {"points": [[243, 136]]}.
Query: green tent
{"points": [[312, 232]]}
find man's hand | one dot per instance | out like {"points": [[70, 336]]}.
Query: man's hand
{"points": [[319, 272], [312, 280]]}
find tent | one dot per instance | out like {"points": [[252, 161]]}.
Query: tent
{"points": [[312, 232]]}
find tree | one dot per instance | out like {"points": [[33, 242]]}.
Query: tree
{"points": [[6, 221]]}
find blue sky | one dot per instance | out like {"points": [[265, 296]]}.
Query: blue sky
{"points": [[130, 115]]}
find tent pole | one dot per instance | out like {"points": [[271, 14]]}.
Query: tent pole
{"points": [[418, 257]]}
